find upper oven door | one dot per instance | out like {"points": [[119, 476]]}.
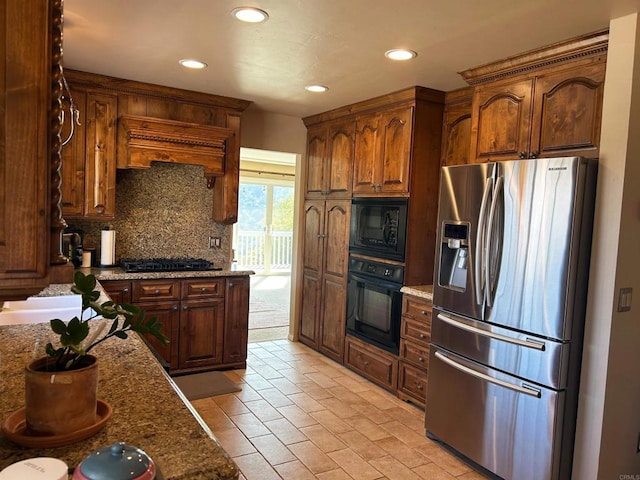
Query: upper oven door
{"points": [[378, 227]]}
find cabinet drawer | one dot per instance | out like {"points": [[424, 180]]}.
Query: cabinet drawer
{"points": [[377, 365], [118, 290], [417, 309], [415, 330], [414, 353], [205, 287], [413, 382], [161, 289]]}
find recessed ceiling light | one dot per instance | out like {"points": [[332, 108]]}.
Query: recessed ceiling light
{"points": [[250, 14], [400, 54], [191, 63], [316, 88]]}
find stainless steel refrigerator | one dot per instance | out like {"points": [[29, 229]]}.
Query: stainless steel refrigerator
{"points": [[509, 296]]}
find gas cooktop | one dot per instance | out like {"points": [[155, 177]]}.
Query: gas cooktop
{"points": [[166, 264]]}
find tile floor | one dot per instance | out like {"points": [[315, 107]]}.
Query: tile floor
{"points": [[302, 416]]}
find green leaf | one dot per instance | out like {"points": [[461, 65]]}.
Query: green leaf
{"points": [[58, 326], [121, 334], [53, 352], [114, 327]]}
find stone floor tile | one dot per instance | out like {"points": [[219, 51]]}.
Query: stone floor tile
{"points": [[250, 425], [354, 465], [312, 457], [263, 410], [323, 438], [286, 432], [234, 442], [272, 449], [255, 467], [294, 471]]}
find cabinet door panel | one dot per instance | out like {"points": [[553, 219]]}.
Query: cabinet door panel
{"points": [[309, 313], [567, 112], [366, 153], [316, 151], [118, 290], [72, 169], [501, 119], [313, 231], [456, 136], [333, 324], [168, 313], [337, 216], [201, 333], [100, 155], [340, 164], [236, 319], [397, 127]]}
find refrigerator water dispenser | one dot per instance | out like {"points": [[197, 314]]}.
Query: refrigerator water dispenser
{"points": [[454, 256]]}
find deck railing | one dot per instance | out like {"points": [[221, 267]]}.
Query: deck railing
{"points": [[255, 251]]}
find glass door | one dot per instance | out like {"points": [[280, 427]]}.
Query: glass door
{"points": [[263, 235]]}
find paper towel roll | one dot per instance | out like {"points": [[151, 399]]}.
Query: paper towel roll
{"points": [[108, 247]]}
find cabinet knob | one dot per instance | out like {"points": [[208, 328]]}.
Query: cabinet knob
{"points": [[422, 335], [523, 155], [184, 307], [100, 209], [125, 290], [421, 359], [231, 285], [174, 308], [366, 364], [534, 154], [156, 292], [423, 312], [419, 386], [203, 289]]}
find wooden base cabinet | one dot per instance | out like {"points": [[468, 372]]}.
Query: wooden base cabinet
{"points": [[415, 336], [372, 363], [205, 319]]}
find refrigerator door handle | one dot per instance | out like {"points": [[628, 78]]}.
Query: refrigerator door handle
{"points": [[528, 342], [526, 389], [479, 253], [487, 252]]}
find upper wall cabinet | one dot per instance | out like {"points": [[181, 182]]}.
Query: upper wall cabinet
{"points": [[330, 159], [89, 159], [543, 103], [127, 124], [383, 152], [456, 127]]}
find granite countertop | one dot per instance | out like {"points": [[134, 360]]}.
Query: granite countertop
{"points": [[148, 409], [116, 273], [422, 291]]}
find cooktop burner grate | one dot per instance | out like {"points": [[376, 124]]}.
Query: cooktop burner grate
{"points": [[166, 265]]}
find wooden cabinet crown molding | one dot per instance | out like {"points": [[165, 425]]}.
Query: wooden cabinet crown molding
{"points": [[592, 44], [119, 85], [408, 95], [142, 140]]}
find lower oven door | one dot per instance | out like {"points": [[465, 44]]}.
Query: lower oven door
{"points": [[510, 426], [374, 309]]}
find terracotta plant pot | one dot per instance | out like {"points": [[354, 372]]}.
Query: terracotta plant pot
{"points": [[58, 403]]}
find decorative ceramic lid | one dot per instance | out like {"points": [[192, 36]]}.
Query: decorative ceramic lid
{"points": [[118, 461]]}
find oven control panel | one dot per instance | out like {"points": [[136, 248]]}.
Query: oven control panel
{"points": [[386, 271]]}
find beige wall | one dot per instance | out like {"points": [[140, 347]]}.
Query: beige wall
{"points": [[609, 408], [273, 131]]}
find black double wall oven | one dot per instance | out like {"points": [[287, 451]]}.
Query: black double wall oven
{"points": [[376, 253]]}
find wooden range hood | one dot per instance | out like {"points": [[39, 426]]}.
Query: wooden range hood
{"points": [[142, 140]]}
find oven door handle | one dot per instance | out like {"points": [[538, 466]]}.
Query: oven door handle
{"points": [[369, 280]]}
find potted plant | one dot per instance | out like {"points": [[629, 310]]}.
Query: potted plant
{"points": [[61, 388]]}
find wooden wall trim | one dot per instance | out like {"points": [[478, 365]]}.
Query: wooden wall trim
{"points": [[588, 45]]}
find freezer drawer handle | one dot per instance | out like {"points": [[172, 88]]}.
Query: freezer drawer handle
{"points": [[528, 342], [526, 389]]}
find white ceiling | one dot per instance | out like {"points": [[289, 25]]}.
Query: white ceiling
{"points": [[338, 43]]}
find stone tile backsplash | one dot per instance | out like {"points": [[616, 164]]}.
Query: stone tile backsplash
{"points": [[164, 211]]}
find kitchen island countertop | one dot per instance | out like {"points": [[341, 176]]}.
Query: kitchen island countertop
{"points": [[148, 409], [117, 273]]}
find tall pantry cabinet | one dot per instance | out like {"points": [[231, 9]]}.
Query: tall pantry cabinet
{"points": [[326, 217]]}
